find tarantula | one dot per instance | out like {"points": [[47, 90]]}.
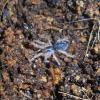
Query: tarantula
{"points": [[49, 49]]}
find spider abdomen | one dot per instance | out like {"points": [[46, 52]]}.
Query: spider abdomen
{"points": [[62, 45]]}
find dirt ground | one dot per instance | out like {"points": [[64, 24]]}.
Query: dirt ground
{"points": [[23, 21]]}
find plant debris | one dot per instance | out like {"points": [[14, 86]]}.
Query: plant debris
{"points": [[23, 22]]}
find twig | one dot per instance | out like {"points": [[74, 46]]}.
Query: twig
{"points": [[91, 34], [72, 96], [76, 21], [94, 41], [98, 37]]}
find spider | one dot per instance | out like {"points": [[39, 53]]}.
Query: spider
{"points": [[50, 49]]}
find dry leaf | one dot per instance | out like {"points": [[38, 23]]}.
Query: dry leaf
{"points": [[96, 48], [36, 1], [56, 75], [9, 36], [77, 77], [76, 89], [10, 62], [98, 72], [5, 76], [43, 78], [83, 39]]}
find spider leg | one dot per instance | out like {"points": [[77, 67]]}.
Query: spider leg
{"points": [[43, 44], [40, 45], [67, 54], [46, 59], [36, 56], [54, 56], [37, 45], [64, 39], [39, 42], [49, 42]]}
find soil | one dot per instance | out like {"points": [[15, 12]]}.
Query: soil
{"points": [[23, 21]]}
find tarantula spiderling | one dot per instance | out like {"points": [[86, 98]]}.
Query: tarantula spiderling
{"points": [[50, 49]]}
